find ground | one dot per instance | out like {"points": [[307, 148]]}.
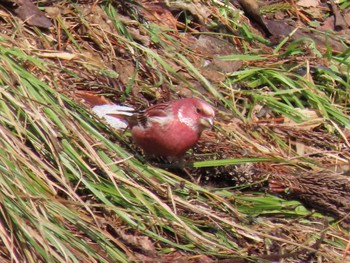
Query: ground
{"points": [[268, 183]]}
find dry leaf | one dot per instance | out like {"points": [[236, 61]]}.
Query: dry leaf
{"points": [[91, 98], [308, 3], [30, 13], [313, 120], [142, 243], [60, 55]]}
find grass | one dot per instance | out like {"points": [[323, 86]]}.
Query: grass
{"points": [[73, 190]]}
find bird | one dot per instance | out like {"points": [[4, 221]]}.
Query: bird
{"points": [[170, 129], [167, 129]]}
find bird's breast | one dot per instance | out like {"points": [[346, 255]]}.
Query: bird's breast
{"points": [[172, 139]]}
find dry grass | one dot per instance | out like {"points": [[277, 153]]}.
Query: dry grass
{"points": [[73, 190]]}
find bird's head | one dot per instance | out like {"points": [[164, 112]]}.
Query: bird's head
{"points": [[196, 113]]}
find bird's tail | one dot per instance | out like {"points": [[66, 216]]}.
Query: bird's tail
{"points": [[115, 115]]}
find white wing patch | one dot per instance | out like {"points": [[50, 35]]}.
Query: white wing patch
{"points": [[103, 111]]}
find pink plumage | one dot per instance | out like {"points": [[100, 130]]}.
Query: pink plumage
{"points": [[170, 129], [166, 129]]}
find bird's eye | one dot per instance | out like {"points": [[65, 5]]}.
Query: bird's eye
{"points": [[198, 110]]}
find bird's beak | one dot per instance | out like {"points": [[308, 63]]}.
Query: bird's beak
{"points": [[207, 122]]}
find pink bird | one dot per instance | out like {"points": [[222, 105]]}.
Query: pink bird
{"points": [[167, 129], [170, 129]]}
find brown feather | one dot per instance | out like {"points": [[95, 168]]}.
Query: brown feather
{"points": [[142, 117], [158, 110]]}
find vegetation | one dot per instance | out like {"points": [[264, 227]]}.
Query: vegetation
{"points": [[74, 190]]}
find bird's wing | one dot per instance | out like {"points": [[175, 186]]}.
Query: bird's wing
{"points": [[159, 110]]}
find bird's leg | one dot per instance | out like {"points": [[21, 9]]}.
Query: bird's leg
{"points": [[168, 162], [182, 165], [174, 163], [193, 180]]}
